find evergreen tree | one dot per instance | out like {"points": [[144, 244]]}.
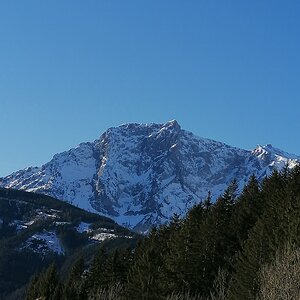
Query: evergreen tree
{"points": [[33, 289], [73, 287], [237, 234], [248, 208], [177, 260], [116, 267], [278, 224], [50, 287], [144, 280], [223, 238], [207, 203], [95, 276], [46, 286]]}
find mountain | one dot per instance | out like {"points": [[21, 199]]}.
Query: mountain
{"points": [[140, 175], [36, 230]]}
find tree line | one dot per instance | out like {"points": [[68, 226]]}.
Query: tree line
{"points": [[236, 248]]}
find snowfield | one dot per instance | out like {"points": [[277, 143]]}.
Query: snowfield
{"points": [[140, 175]]}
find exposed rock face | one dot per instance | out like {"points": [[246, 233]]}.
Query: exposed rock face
{"points": [[141, 174]]}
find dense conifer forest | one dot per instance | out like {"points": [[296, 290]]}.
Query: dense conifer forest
{"points": [[243, 246], [25, 215]]}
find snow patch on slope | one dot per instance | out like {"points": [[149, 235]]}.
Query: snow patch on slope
{"points": [[83, 227], [43, 243]]}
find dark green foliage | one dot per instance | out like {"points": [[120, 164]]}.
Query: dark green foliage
{"points": [[116, 267], [236, 234], [47, 286], [246, 211], [144, 281], [16, 267], [96, 268], [73, 287], [277, 226], [10, 198], [33, 288], [70, 238], [17, 263], [215, 252], [186, 260], [108, 269], [50, 287]]}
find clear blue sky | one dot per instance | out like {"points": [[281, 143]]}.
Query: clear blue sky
{"points": [[226, 70]]}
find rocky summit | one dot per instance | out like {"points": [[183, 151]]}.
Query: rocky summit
{"points": [[140, 175]]}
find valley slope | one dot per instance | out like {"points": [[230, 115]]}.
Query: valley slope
{"points": [[37, 230]]}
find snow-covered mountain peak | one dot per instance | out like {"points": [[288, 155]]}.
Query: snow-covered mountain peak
{"points": [[275, 156], [141, 174], [171, 125], [261, 151], [142, 128]]}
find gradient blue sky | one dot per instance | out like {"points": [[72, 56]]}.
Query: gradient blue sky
{"points": [[226, 70]]}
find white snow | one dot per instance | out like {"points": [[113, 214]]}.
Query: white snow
{"points": [[62, 223], [20, 225], [29, 223], [44, 242], [100, 237], [83, 227], [141, 173], [277, 158]]}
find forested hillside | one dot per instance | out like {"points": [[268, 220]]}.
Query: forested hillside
{"points": [[37, 230], [244, 246]]}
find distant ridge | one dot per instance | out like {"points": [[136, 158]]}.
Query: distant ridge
{"points": [[141, 174]]}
